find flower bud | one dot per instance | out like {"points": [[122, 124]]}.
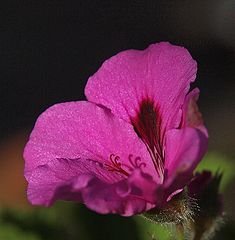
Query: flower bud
{"points": [[204, 188]]}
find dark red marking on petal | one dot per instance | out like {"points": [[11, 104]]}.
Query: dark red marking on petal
{"points": [[147, 124]]}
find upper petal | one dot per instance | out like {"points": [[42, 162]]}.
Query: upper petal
{"points": [[161, 73], [84, 130]]}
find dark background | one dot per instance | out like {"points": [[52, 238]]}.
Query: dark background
{"points": [[48, 49]]}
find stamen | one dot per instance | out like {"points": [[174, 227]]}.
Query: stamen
{"points": [[137, 162], [116, 166]]}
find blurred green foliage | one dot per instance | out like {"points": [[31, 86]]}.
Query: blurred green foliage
{"points": [[149, 230], [71, 221], [64, 221], [56, 222], [12, 232], [217, 162]]}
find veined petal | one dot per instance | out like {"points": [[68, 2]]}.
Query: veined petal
{"points": [[84, 130], [132, 147], [161, 73], [146, 88]]}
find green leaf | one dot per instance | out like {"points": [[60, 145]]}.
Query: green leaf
{"points": [[218, 162]]}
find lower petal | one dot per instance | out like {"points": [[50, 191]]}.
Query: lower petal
{"points": [[125, 196]]}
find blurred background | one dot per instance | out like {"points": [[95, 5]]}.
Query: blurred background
{"points": [[48, 49]]}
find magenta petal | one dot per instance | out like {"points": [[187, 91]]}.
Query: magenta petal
{"points": [[127, 197], [68, 157], [184, 149], [161, 73], [63, 178], [90, 184], [47, 184], [132, 147], [84, 130]]}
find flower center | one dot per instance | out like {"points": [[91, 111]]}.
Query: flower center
{"points": [[147, 124]]}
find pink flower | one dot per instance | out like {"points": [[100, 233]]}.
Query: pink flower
{"points": [[131, 146]]}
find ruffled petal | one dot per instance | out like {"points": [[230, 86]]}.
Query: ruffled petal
{"points": [[91, 184], [127, 197], [161, 73], [84, 130]]}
